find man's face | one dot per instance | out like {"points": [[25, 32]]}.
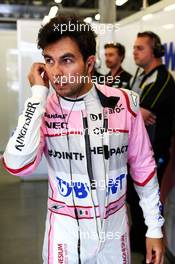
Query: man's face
{"points": [[112, 58], [64, 66], [143, 52]]}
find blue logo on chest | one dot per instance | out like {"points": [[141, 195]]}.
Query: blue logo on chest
{"points": [[81, 190]]}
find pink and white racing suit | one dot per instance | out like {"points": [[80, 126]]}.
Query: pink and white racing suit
{"points": [[87, 144]]}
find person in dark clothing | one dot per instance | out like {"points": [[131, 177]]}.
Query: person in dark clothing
{"points": [[157, 95], [156, 87], [114, 56]]}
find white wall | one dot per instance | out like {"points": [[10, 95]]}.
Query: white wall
{"points": [[28, 53], [9, 86]]}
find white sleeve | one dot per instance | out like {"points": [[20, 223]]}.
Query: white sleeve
{"points": [[27, 141], [149, 195]]}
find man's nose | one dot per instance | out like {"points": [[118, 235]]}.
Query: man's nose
{"points": [[57, 70], [57, 73]]}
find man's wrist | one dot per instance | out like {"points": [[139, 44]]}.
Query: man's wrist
{"points": [[40, 91], [154, 232]]}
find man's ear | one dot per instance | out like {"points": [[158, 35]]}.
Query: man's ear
{"points": [[90, 63]]}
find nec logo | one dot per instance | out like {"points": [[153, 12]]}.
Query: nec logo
{"points": [[56, 125]]}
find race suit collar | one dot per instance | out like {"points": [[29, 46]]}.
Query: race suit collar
{"points": [[110, 101], [105, 101], [79, 98]]}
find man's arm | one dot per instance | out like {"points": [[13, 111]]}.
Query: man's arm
{"points": [[148, 117], [151, 206], [24, 149], [143, 172]]}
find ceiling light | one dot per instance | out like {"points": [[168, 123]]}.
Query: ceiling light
{"points": [[53, 11], [46, 20], [120, 2], [168, 26], [97, 17], [147, 17], [58, 1], [37, 3], [88, 20], [170, 7]]}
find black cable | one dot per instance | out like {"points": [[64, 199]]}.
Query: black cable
{"points": [[134, 78], [75, 209], [88, 152], [89, 165]]}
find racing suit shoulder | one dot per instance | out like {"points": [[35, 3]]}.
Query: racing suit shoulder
{"points": [[132, 100], [127, 97]]}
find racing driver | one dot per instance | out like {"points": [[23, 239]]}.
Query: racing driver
{"points": [[88, 133]]}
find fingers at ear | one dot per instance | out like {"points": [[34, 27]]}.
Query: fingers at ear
{"points": [[90, 63]]}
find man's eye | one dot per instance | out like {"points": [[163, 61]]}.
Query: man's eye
{"points": [[49, 61], [67, 60]]}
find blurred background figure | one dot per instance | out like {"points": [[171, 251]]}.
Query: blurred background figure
{"points": [[114, 56], [156, 87]]}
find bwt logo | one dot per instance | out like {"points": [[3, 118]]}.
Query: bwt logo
{"points": [[169, 56], [81, 190], [115, 185]]}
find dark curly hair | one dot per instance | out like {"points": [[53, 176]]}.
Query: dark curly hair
{"points": [[68, 26]]}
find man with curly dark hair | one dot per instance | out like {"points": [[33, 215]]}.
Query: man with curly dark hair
{"points": [[88, 133]]}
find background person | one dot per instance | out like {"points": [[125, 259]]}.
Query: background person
{"points": [[114, 56], [157, 99]]}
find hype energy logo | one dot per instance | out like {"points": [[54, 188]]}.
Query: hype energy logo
{"points": [[169, 57], [81, 190]]}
